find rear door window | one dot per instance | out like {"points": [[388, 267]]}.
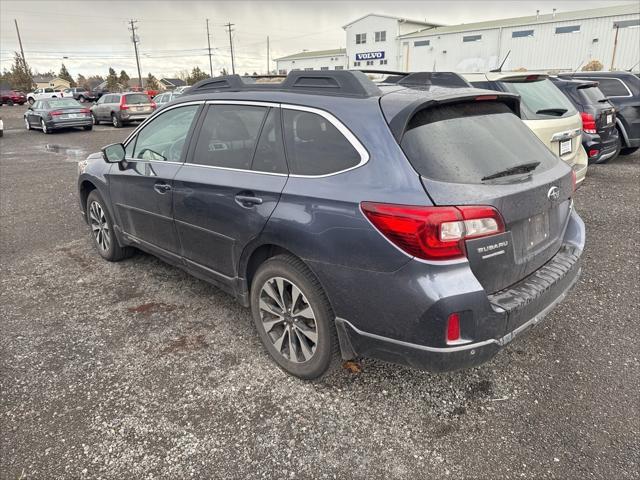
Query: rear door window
{"points": [[541, 100], [228, 136], [592, 95], [463, 143], [136, 99], [315, 146]]}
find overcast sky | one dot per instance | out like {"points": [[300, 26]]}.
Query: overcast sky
{"points": [[94, 34]]}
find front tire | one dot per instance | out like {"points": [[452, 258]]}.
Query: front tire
{"points": [[628, 150], [294, 319], [27, 124], [102, 233], [81, 99]]}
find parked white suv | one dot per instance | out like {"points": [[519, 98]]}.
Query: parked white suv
{"points": [[43, 94], [545, 110]]}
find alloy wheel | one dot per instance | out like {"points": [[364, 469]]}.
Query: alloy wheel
{"points": [[44, 126], [26, 123], [99, 226], [288, 319]]}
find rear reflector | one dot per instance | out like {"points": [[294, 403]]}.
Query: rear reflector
{"points": [[487, 97], [453, 328], [433, 233], [593, 152]]}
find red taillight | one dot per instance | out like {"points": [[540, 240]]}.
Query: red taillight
{"points": [[55, 113], [588, 122], [153, 105], [85, 110], [123, 105], [453, 328], [433, 233], [487, 97]]}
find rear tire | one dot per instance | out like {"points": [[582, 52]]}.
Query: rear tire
{"points": [[115, 121], [45, 129], [31, 101], [10, 103], [87, 127], [81, 99], [628, 150], [102, 234], [95, 119], [294, 319]]}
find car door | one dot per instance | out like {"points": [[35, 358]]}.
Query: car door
{"points": [[103, 110], [141, 187], [230, 185], [100, 106]]}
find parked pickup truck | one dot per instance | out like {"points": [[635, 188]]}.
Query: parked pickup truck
{"points": [[80, 94], [43, 94]]}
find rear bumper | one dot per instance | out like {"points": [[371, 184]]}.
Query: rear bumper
{"points": [[522, 306], [76, 122], [605, 145]]}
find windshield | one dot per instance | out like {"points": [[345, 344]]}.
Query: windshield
{"points": [[64, 104], [137, 99], [541, 100], [591, 95], [466, 142]]}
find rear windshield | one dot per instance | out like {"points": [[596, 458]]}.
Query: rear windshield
{"points": [[64, 104], [137, 98], [463, 143], [541, 100], [592, 95]]}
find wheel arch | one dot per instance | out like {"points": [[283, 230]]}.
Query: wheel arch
{"points": [[85, 188]]}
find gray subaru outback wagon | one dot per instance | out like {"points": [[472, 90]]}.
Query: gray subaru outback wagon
{"points": [[426, 226]]}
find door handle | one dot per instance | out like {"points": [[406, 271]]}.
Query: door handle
{"points": [[162, 188], [248, 200]]}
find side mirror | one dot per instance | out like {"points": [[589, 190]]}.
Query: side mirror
{"points": [[113, 153]]}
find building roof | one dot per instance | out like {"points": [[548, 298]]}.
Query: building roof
{"points": [[175, 82], [608, 11], [399, 19], [44, 78], [314, 54]]}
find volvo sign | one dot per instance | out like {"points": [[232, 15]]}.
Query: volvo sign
{"points": [[370, 56]]}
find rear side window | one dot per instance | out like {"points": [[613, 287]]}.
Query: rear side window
{"points": [[136, 99], [591, 95], [466, 142], [613, 87], [315, 146], [228, 136]]}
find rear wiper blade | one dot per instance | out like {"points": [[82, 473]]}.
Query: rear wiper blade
{"points": [[524, 168], [602, 100], [552, 111]]}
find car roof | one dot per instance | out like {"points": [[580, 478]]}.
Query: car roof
{"points": [[566, 82], [501, 76]]}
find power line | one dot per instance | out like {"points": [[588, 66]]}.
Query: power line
{"points": [[135, 40], [233, 65]]}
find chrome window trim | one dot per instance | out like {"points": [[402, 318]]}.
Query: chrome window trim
{"points": [[351, 138]]}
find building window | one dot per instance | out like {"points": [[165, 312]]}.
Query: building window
{"points": [[626, 24], [361, 38], [381, 36], [356, 64], [383, 62], [568, 29], [339, 67], [369, 62], [522, 33], [324, 68], [472, 38], [282, 72], [308, 69], [421, 43]]}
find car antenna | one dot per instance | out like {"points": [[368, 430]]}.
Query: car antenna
{"points": [[579, 65], [499, 69]]}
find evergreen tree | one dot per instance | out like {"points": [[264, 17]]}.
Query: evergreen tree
{"points": [[112, 81], [196, 76], [152, 83], [65, 75], [124, 78], [20, 75], [82, 81]]}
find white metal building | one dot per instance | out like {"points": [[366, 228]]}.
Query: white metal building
{"points": [[553, 41], [316, 60], [547, 41]]}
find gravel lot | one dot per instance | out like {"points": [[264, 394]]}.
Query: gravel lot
{"points": [[136, 370]]}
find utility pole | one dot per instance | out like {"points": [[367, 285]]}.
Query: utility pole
{"points": [[20, 41], [209, 43], [268, 66], [135, 40], [233, 65]]}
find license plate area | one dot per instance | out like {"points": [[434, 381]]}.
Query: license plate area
{"points": [[609, 118], [565, 146], [537, 228]]}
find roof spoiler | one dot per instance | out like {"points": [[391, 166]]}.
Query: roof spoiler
{"points": [[337, 82], [423, 79]]}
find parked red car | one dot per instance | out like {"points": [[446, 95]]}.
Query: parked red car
{"points": [[148, 91], [11, 97]]}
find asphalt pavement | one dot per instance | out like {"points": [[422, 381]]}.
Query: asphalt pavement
{"points": [[137, 370]]}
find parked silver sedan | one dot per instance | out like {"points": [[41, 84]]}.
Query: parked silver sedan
{"points": [[165, 97]]}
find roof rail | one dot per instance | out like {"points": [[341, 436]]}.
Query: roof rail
{"points": [[337, 82], [423, 79]]}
